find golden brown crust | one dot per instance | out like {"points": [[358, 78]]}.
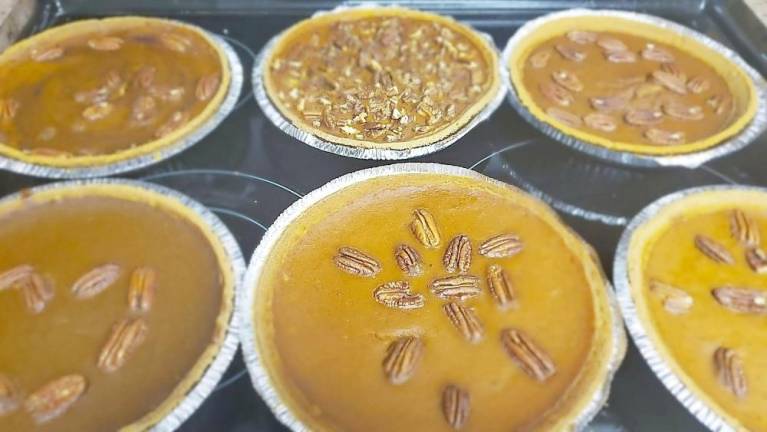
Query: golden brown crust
{"points": [[304, 26], [100, 25]]}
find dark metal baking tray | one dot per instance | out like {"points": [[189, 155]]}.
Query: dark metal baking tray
{"points": [[248, 171]]}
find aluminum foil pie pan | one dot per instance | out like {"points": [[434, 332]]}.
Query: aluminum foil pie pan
{"points": [[215, 369], [145, 160], [660, 366], [690, 160], [283, 123], [248, 332]]}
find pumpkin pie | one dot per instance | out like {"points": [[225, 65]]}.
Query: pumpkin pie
{"points": [[96, 92], [628, 85], [388, 77], [114, 300], [430, 299], [696, 272]]}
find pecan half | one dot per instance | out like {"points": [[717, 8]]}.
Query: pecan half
{"points": [[8, 109], [9, 396], [643, 117], [757, 259], [143, 107], [664, 137], [582, 37], [729, 371], [682, 111], [565, 117], [10, 278], [655, 53], [698, 85], [408, 260], [611, 44], [96, 281], [458, 255], [206, 87], [500, 287], [501, 246], [458, 287], [540, 59], [141, 290], [567, 80], [675, 300], [601, 122], [98, 111], [402, 358], [527, 355], [425, 229], [37, 292], [397, 295], [145, 76], [175, 42], [465, 321], [456, 406], [356, 262], [742, 228], [741, 300], [127, 335], [621, 57], [177, 119], [556, 93], [646, 90], [714, 250], [46, 54], [675, 83], [55, 398], [106, 43], [614, 102], [570, 52]]}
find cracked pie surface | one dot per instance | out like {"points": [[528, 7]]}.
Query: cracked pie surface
{"points": [[113, 302], [630, 86], [435, 312], [389, 78], [698, 276], [95, 92]]}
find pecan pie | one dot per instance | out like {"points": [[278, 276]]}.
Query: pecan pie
{"points": [[114, 300], [381, 78], [95, 92], [630, 86], [465, 293], [696, 274]]}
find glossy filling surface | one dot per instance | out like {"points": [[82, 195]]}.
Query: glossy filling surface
{"points": [[65, 239], [320, 325], [103, 91], [713, 318], [628, 89]]}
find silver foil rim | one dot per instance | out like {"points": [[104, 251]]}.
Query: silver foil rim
{"points": [[704, 412], [689, 160], [215, 370], [285, 125], [251, 352], [145, 160]]}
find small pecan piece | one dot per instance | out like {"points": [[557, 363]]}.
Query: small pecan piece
{"points": [[425, 229], [37, 292], [527, 355], [698, 85], [501, 287], [143, 282], [408, 260], [714, 250], [601, 122], [501, 246], [611, 44], [729, 371], [675, 300], [206, 87], [127, 335], [582, 37], [465, 320], [567, 80], [682, 111], [175, 42], [743, 229], [565, 117], [556, 93], [757, 259], [664, 137], [397, 295], [458, 255], [643, 117], [675, 83], [621, 57], [402, 358], [96, 281], [456, 406], [10, 278], [47, 54], [106, 43], [55, 398], [458, 287], [741, 300], [8, 109], [9, 396], [356, 262], [570, 52], [540, 59], [655, 53]]}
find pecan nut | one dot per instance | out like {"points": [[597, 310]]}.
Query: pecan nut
{"points": [[141, 290], [127, 335], [37, 292], [96, 281], [527, 355], [465, 320], [458, 287], [500, 287], [9, 396], [409, 260], [55, 398], [456, 406], [757, 259], [356, 262], [741, 300], [397, 295], [11, 278], [675, 300], [730, 372], [458, 255], [425, 229], [501, 246], [713, 250], [743, 229], [402, 358]]}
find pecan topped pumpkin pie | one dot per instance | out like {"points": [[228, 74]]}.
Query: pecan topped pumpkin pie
{"points": [[114, 302], [389, 78], [95, 92], [628, 85], [696, 271], [431, 310]]}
